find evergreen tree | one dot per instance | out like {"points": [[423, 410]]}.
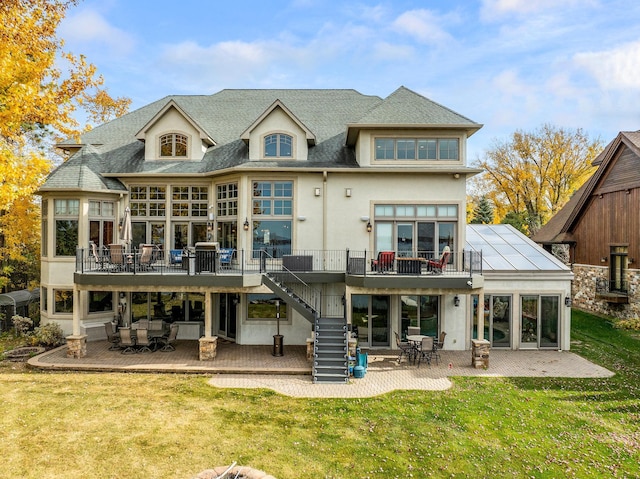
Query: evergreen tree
{"points": [[483, 213]]}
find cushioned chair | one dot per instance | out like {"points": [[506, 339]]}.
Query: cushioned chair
{"points": [[146, 257], [116, 256], [384, 262], [225, 255]]}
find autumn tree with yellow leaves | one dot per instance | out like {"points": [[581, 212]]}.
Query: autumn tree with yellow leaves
{"points": [[531, 176], [41, 88]]}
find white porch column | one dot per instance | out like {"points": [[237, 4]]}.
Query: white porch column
{"points": [[76, 343], [76, 311], [208, 315], [480, 333]]}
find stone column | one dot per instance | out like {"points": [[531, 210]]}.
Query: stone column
{"points": [[208, 348], [77, 346]]}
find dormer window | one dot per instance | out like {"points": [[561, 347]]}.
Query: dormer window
{"points": [[173, 145], [278, 145]]}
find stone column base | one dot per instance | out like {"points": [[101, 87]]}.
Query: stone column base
{"points": [[208, 348], [77, 346]]}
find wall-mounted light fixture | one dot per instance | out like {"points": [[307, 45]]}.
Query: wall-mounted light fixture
{"points": [[631, 261], [209, 226], [316, 191], [347, 192], [369, 227], [302, 218], [211, 215], [456, 175], [246, 224], [603, 259], [567, 301], [456, 301]]}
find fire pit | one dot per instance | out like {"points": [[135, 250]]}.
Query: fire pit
{"points": [[24, 353]]}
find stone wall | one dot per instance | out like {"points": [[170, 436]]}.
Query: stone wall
{"points": [[584, 292]]}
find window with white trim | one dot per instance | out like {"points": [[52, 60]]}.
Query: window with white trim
{"points": [[278, 145], [189, 201], [66, 213], [148, 201], [412, 149], [173, 145]]}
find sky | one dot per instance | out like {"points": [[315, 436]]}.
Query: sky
{"points": [[507, 64]]}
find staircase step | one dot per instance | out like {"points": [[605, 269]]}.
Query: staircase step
{"points": [[330, 378]]}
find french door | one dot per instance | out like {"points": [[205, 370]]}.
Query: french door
{"points": [[539, 322], [227, 319], [370, 314]]}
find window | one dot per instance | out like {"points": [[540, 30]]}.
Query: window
{"points": [[263, 307], [148, 201], [272, 212], [45, 229], [278, 145], [189, 201], [100, 301], [101, 219], [66, 214], [410, 149], [539, 321], [422, 230], [497, 320], [173, 145], [227, 199], [44, 304], [421, 311], [63, 301]]}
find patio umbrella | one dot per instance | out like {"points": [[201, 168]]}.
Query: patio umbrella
{"points": [[126, 233]]}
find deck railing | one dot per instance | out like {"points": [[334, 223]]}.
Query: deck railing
{"points": [[354, 262]]}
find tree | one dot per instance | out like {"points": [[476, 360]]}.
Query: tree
{"points": [[535, 173], [483, 212], [38, 100]]}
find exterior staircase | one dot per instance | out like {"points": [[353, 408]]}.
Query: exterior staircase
{"points": [[330, 351], [330, 348]]}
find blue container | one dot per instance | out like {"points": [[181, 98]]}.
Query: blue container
{"points": [[358, 372], [363, 360]]}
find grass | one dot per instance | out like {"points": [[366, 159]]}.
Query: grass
{"points": [[69, 425]]}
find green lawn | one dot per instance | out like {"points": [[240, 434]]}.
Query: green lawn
{"points": [[61, 425]]}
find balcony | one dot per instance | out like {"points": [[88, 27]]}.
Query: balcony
{"points": [[614, 292], [244, 268]]}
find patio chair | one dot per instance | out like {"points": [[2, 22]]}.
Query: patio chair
{"points": [[406, 349], [143, 342], [438, 266], [384, 262], [127, 341], [112, 336], [175, 257], [168, 343], [146, 257], [411, 330], [116, 256], [225, 255], [99, 259], [426, 350], [437, 346]]}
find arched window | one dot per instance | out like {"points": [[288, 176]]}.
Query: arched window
{"points": [[278, 145], [173, 144]]}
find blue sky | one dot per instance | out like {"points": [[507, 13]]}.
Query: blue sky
{"points": [[507, 64]]}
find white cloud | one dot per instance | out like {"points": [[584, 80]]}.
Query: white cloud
{"points": [[497, 9], [424, 26], [614, 69], [88, 26]]}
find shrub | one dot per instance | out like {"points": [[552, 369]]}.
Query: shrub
{"points": [[49, 335], [629, 324], [21, 324]]}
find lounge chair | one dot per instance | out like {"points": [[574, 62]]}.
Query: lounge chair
{"points": [[438, 266], [146, 257], [116, 256]]}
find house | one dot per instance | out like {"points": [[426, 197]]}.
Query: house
{"points": [[258, 215], [600, 227]]}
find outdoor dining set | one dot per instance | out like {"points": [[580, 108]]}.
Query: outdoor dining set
{"points": [[144, 336], [419, 347]]}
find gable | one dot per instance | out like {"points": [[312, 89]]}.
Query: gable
{"points": [[623, 172]]}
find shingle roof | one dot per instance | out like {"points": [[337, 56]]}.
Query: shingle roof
{"points": [[227, 114]]}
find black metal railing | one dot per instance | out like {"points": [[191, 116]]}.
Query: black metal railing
{"points": [[156, 260]]}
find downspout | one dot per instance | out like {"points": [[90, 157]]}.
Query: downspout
{"points": [[325, 202]]}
